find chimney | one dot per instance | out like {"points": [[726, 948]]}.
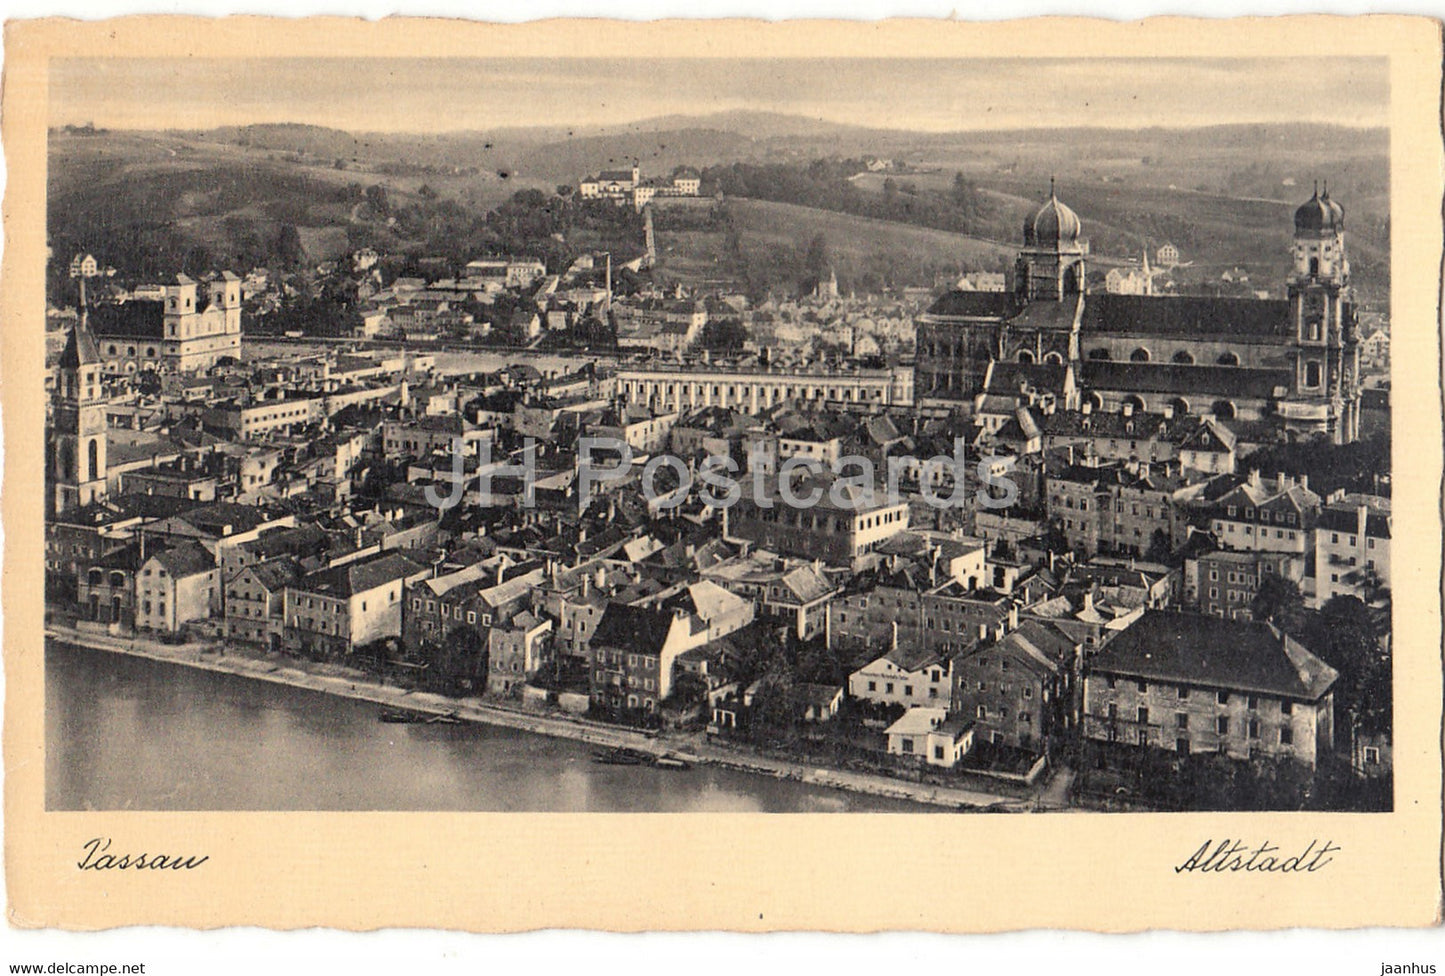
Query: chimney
{"points": [[1254, 479], [1362, 515], [894, 644], [1304, 481]]}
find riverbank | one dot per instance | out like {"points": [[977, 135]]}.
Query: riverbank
{"points": [[349, 683]]}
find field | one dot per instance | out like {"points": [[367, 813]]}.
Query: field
{"points": [[860, 248]]}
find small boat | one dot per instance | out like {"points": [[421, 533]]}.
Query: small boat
{"points": [[671, 762], [620, 756], [448, 718], [398, 716]]}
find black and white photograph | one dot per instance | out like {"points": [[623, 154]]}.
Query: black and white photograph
{"points": [[740, 435]]}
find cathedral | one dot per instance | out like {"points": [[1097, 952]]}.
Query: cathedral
{"points": [[1293, 362]]}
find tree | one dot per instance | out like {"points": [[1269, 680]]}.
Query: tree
{"points": [[462, 658], [1278, 600], [376, 196], [818, 259], [289, 252]]}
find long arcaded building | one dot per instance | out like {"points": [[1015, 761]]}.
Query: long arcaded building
{"points": [[753, 389]]}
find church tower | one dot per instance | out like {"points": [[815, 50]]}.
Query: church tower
{"points": [[77, 462], [1324, 393], [1051, 265]]}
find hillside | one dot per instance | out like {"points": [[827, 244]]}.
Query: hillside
{"points": [[765, 244], [150, 202]]}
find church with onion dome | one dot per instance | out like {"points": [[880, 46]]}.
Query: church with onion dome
{"points": [[1290, 362]]}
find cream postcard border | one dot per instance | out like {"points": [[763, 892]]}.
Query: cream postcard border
{"points": [[842, 872]]}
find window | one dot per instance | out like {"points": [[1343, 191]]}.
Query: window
{"points": [[1372, 756], [1286, 735], [1183, 692], [908, 690], [983, 686], [1253, 703], [938, 752], [1286, 708], [1181, 720], [1222, 724], [1143, 686], [1143, 716], [1254, 728], [888, 689], [981, 712], [1112, 682], [1223, 698], [872, 686]]}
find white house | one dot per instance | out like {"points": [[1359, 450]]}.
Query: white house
{"points": [[904, 676], [929, 734]]}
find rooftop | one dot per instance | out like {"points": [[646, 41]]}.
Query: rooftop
{"points": [[1199, 649]]}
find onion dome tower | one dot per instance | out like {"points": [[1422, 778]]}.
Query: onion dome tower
{"points": [[1051, 265]]}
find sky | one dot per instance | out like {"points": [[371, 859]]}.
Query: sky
{"points": [[931, 95]]}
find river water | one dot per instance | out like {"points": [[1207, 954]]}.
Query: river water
{"points": [[127, 733]]}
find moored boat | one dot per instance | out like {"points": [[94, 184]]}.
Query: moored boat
{"points": [[620, 756]]}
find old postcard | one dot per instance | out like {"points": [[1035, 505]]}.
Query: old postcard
{"points": [[683, 475]]}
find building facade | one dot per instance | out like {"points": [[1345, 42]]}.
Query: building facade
{"points": [[1189, 683], [1294, 360]]}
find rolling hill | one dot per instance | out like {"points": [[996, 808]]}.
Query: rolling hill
{"points": [[1223, 194]]}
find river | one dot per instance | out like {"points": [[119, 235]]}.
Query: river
{"points": [[128, 733]]}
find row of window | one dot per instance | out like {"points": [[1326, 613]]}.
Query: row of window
{"points": [[907, 689], [1028, 690], [1001, 714], [1227, 528], [1253, 728], [1282, 518], [130, 351], [1183, 693]]}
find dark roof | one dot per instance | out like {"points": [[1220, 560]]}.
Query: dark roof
{"points": [[184, 560], [1199, 649], [1047, 315], [1039, 647], [359, 577], [79, 350], [1100, 424], [1222, 381], [138, 319], [216, 516], [640, 629], [976, 304], [1337, 519], [276, 574], [1189, 316], [1006, 377]]}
